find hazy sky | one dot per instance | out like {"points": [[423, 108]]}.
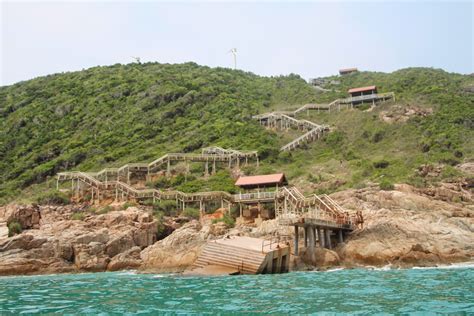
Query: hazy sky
{"points": [[308, 38]]}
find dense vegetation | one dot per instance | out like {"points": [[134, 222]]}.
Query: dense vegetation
{"points": [[107, 116]]}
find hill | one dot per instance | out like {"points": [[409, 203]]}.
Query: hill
{"points": [[107, 116]]}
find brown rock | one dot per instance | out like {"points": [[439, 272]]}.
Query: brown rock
{"points": [[119, 244], [322, 258], [177, 251], [27, 216], [129, 259]]}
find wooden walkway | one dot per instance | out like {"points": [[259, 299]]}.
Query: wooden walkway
{"points": [[210, 156], [283, 121], [290, 204]]}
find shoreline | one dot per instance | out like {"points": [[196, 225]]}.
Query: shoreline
{"points": [[455, 265]]}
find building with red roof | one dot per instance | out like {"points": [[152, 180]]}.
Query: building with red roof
{"points": [[261, 181]]}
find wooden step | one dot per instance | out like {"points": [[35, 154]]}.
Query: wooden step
{"points": [[236, 256], [247, 260], [209, 258]]}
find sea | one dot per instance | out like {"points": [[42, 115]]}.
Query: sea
{"points": [[368, 291]]}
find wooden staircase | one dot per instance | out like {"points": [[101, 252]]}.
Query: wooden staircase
{"points": [[284, 121], [244, 260]]}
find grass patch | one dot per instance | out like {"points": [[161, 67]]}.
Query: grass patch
{"points": [[228, 220], [79, 216]]}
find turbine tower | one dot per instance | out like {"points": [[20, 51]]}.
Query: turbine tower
{"points": [[137, 59], [234, 52]]}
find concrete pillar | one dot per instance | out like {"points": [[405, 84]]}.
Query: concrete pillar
{"points": [[296, 240], [321, 238], [310, 240], [328, 239], [206, 169], [306, 229], [315, 234], [341, 236], [168, 168]]}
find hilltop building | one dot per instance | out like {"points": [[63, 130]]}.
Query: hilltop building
{"points": [[347, 71], [366, 94]]}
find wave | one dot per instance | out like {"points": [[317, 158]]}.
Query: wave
{"points": [[462, 265]]}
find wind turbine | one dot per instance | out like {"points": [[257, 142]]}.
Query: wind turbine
{"points": [[137, 59], [234, 52]]}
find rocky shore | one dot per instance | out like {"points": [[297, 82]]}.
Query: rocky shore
{"points": [[403, 227]]}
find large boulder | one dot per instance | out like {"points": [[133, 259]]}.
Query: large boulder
{"points": [[99, 242], [407, 226], [177, 251], [129, 259], [27, 215]]}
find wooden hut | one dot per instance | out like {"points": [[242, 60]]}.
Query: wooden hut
{"points": [[261, 181], [363, 94]]}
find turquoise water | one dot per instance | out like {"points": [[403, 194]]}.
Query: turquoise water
{"points": [[418, 291]]}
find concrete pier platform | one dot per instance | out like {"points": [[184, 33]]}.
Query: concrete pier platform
{"points": [[246, 254]]}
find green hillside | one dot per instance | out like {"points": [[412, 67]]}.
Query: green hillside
{"points": [[107, 116]]}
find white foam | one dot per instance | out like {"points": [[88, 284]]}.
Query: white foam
{"points": [[159, 276], [462, 265]]}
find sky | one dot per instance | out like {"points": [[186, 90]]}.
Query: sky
{"points": [[311, 39]]}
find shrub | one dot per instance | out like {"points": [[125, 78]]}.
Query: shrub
{"points": [[14, 228], [192, 212], [378, 136], [386, 185], [161, 183], [128, 204], [227, 220], [381, 164], [315, 178], [105, 210], [168, 208], [79, 216], [54, 197]]}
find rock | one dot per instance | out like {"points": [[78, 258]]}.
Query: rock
{"points": [[219, 229], [405, 227], [177, 251], [64, 245], [130, 259], [90, 257], [64, 250], [27, 216], [119, 244], [322, 258], [22, 241]]}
